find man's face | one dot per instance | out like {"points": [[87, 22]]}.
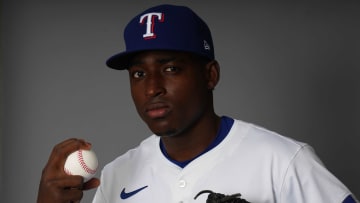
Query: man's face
{"points": [[170, 90]]}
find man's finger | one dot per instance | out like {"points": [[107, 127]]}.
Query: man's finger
{"points": [[73, 195], [92, 183], [62, 150]]}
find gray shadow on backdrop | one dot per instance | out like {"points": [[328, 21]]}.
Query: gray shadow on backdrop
{"points": [[290, 67]]}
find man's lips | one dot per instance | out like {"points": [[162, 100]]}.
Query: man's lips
{"points": [[157, 110]]}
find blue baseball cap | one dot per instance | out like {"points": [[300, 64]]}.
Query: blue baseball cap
{"points": [[164, 27]]}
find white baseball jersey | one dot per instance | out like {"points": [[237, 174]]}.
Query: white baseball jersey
{"points": [[259, 164]]}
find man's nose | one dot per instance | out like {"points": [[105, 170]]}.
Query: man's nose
{"points": [[154, 86]]}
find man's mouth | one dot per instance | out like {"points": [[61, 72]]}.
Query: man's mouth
{"points": [[157, 110]]}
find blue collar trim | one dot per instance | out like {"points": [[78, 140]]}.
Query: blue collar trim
{"points": [[225, 126]]}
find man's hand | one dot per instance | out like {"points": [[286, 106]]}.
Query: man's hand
{"points": [[58, 187]]}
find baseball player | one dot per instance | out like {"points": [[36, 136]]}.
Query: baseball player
{"points": [[194, 155]]}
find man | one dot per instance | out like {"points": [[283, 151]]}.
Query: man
{"points": [[194, 154]]}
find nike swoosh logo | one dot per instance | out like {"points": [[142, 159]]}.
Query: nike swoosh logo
{"points": [[125, 195]]}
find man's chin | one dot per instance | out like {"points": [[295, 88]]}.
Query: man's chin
{"points": [[167, 133], [161, 128]]}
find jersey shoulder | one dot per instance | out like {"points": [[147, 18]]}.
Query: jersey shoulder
{"points": [[264, 140]]}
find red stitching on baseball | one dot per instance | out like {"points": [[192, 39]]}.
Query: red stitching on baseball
{"points": [[83, 164]]}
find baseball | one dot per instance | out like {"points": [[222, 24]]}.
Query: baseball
{"points": [[83, 163]]}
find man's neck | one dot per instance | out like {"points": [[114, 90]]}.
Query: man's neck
{"points": [[194, 141]]}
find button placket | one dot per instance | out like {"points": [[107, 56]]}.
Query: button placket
{"points": [[182, 183]]}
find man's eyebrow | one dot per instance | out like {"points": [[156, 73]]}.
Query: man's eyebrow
{"points": [[134, 63], [166, 60], [160, 60]]}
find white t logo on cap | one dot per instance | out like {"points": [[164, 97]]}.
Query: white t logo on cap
{"points": [[150, 21]]}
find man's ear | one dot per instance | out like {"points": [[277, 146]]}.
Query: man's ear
{"points": [[212, 74]]}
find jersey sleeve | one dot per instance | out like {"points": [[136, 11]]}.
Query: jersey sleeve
{"points": [[307, 180]]}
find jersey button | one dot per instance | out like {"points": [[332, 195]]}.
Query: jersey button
{"points": [[182, 183]]}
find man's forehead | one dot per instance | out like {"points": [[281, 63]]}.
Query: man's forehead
{"points": [[158, 57]]}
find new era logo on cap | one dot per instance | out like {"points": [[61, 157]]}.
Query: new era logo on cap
{"points": [[165, 27]]}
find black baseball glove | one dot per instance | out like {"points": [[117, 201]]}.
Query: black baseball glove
{"points": [[221, 198]]}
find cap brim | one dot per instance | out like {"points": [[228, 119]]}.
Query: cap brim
{"points": [[121, 60]]}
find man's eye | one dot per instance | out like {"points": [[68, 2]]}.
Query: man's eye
{"points": [[138, 74], [171, 69]]}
